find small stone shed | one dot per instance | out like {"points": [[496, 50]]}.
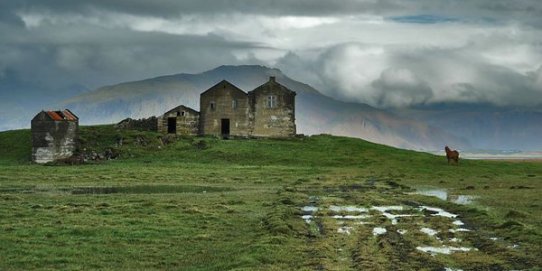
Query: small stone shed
{"points": [[226, 110], [181, 120], [54, 135]]}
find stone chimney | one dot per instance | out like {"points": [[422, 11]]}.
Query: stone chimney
{"points": [[272, 79]]}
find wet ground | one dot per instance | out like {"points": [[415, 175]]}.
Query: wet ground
{"points": [[378, 226]]}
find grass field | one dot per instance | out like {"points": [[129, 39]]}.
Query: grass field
{"points": [[308, 203]]}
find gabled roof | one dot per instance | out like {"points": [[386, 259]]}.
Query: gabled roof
{"points": [[64, 115], [225, 84], [182, 107], [272, 83]]}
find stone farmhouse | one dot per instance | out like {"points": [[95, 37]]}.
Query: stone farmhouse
{"points": [[228, 111], [54, 135]]}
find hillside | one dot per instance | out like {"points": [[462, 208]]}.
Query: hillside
{"points": [[318, 202], [315, 112]]}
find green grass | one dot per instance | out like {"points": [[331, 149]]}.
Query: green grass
{"points": [[210, 204]]}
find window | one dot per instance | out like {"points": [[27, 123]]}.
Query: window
{"points": [[213, 106], [271, 101], [183, 113], [234, 104]]}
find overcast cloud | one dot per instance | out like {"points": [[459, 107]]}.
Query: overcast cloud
{"points": [[387, 53]]}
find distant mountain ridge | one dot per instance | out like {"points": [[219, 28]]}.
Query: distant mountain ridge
{"points": [[315, 113]]}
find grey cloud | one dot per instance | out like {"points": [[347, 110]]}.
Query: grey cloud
{"points": [[526, 11], [399, 87]]}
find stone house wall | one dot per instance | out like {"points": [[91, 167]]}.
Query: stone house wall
{"points": [[273, 107], [221, 105]]}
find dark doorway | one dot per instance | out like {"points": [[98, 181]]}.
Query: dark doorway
{"points": [[172, 125], [225, 128]]}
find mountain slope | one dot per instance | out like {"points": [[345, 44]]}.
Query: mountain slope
{"points": [[315, 113], [486, 126]]}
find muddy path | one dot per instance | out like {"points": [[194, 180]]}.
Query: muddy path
{"points": [[380, 225]]}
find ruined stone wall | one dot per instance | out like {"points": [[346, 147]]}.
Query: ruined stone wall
{"points": [[148, 124], [53, 140], [229, 103], [277, 120]]}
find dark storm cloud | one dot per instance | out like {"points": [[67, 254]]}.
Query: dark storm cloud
{"points": [[56, 48], [524, 11]]}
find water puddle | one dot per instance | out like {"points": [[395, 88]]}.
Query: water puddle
{"points": [[429, 231], [379, 231], [443, 249], [348, 218], [444, 195], [135, 189], [147, 189]]}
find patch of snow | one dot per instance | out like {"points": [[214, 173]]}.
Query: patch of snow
{"points": [[494, 238], [402, 232], [379, 231]]}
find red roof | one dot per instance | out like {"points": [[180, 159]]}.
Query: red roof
{"points": [[66, 115]]}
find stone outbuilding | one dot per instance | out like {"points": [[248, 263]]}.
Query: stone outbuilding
{"points": [[181, 120], [226, 110], [54, 135]]}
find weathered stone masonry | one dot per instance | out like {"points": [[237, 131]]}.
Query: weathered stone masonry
{"points": [[226, 110], [54, 135]]}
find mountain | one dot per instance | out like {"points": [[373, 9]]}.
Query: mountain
{"points": [[487, 127], [315, 113]]}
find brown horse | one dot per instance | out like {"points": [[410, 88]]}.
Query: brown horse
{"points": [[452, 155]]}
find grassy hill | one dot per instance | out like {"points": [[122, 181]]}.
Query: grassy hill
{"points": [[210, 204]]}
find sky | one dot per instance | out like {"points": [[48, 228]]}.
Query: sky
{"points": [[389, 53]]}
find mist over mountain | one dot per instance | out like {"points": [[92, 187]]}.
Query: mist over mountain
{"points": [[315, 113], [485, 126]]}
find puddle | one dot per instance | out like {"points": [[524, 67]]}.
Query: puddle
{"points": [[307, 218], [350, 217], [429, 231], [379, 231], [136, 189], [452, 269], [349, 209], [344, 229], [309, 209], [384, 209], [437, 211], [146, 189], [392, 217], [458, 223], [443, 250], [444, 195]]}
